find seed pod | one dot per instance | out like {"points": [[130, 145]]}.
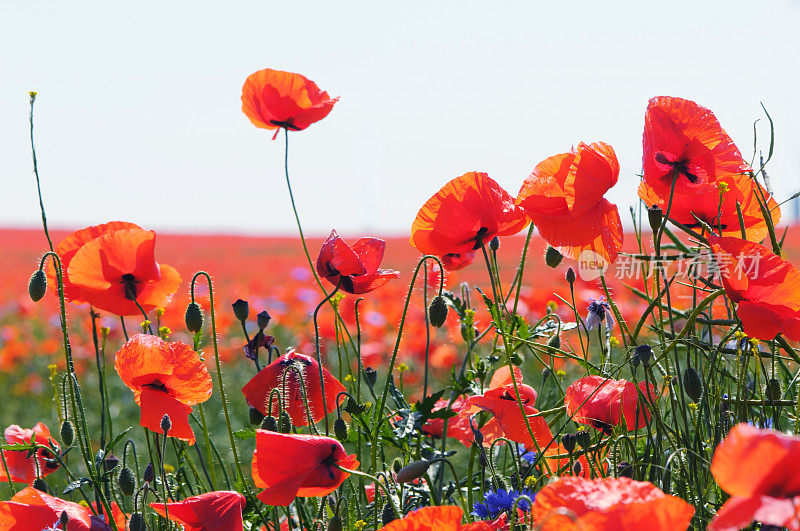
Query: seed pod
{"points": [[576, 468], [494, 244], [194, 318], [569, 440], [388, 515], [67, 433], [644, 353], [285, 422], [262, 320], [772, 391], [39, 484], [570, 275], [255, 416], [126, 481], [269, 423], [149, 473], [340, 429], [624, 470], [371, 375], [241, 310], [552, 257], [546, 373], [692, 384], [111, 462], [412, 471], [137, 523], [437, 311], [583, 439], [335, 523], [37, 285], [654, 216]]}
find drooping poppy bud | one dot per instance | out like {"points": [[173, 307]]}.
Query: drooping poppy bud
{"points": [[67, 433], [285, 422], [388, 515], [111, 462], [37, 285], [270, 423], [772, 391], [644, 353], [241, 310], [552, 257], [624, 470], [412, 471], [149, 473], [570, 275], [39, 484], [137, 523], [126, 481], [340, 429], [437, 312], [569, 440], [583, 439], [194, 318], [255, 416], [692, 384], [335, 523]]}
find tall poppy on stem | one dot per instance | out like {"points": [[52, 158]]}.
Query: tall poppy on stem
{"points": [[22, 465], [564, 199], [355, 269], [287, 466], [466, 213], [113, 268], [273, 99], [212, 511], [603, 403], [32, 509], [765, 288], [289, 368], [440, 518], [166, 378], [688, 156]]}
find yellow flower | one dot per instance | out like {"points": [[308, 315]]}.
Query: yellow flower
{"points": [[561, 373], [551, 306], [348, 377], [614, 341], [360, 524], [402, 368]]}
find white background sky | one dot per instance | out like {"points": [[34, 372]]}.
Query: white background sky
{"points": [[139, 116]]}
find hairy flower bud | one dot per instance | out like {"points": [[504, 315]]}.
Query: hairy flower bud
{"points": [[270, 423], [335, 523], [149, 473], [583, 438], [285, 422], [644, 353], [654, 216], [624, 470], [772, 391], [388, 515], [494, 244], [241, 310], [137, 523], [37, 285], [340, 429], [126, 481], [437, 312], [692, 384], [166, 423], [39, 484], [255, 416], [194, 318], [262, 320], [412, 471], [570, 275], [67, 433], [569, 440]]}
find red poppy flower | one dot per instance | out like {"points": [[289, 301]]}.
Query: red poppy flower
{"points": [[273, 99], [258, 389], [441, 518], [111, 265], [31, 509], [684, 141], [609, 504], [287, 466], [564, 199], [21, 467], [765, 288], [466, 212], [456, 261], [166, 378], [354, 269], [602, 403], [457, 427], [758, 468], [212, 511]]}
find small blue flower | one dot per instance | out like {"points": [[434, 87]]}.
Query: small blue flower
{"points": [[500, 501], [599, 311], [526, 455]]}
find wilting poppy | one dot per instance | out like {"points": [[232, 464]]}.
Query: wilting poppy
{"points": [[212, 511], [684, 142], [258, 389], [602, 403], [765, 288], [31, 509], [564, 199], [166, 378], [609, 504], [112, 265], [759, 469], [21, 464], [467, 212], [287, 466], [456, 261], [440, 518], [354, 269], [273, 99]]}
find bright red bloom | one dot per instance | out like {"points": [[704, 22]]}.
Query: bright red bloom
{"points": [[354, 269], [456, 261], [111, 265], [602, 403], [765, 288], [166, 378], [287, 466], [21, 467], [440, 518], [684, 141], [31, 509], [759, 469], [466, 212], [564, 199], [258, 389], [609, 504], [212, 511], [272, 99]]}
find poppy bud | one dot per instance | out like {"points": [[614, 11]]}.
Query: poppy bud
{"points": [[194, 318], [397, 464], [570, 275], [546, 373], [255, 416], [494, 244], [149, 473], [37, 285], [126, 481], [624, 470], [569, 440], [516, 359], [772, 391], [241, 310], [63, 519], [335, 523], [67, 433], [111, 462], [166, 423], [388, 515], [340, 429], [480, 369], [644, 353], [692, 384], [39, 484], [654, 216], [554, 342], [583, 438], [437, 312], [137, 523], [552, 257], [262, 320], [576, 468], [270, 423], [497, 480], [285, 422], [412, 471], [371, 375]]}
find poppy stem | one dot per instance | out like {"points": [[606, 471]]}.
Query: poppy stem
{"points": [[319, 355], [36, 173]]}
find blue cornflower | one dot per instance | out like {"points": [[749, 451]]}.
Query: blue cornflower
{"points": [[599, 311], [526, 455], [500, 501]]}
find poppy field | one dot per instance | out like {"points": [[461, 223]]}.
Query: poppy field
{"points": [[521, 359]]}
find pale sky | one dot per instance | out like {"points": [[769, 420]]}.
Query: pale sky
{"points": [[139, 114]]}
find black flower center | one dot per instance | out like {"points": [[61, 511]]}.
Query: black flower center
{"points": [[680, 167], [129, 285], [479, 238]]}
